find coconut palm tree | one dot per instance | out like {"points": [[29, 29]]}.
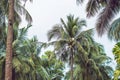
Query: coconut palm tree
{"points": [[69, 39], [26, 61], [95, 68], [10, 12], [109, 9]]}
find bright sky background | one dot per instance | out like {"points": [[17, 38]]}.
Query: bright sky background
{"points": [[47, 13]]}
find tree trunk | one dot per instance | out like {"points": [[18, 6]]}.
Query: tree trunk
{"points": [[71, 64], [9, 54]]}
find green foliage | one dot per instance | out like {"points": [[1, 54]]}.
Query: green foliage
{"points": [[26, 61], [19, 10], [54, 66], [89, 58], [113, 32], [116, 52], [96, 67]]}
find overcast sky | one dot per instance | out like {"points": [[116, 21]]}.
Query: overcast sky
{"points": [[46, 13]]}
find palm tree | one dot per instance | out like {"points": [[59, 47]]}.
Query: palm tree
{"points": [[95, 68], [109, 9], [69, 39], [9, 53], [116, 51], [100, 63], [26, 61]]}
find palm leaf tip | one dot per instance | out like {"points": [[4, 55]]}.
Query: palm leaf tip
{"points": [[79, 1]]}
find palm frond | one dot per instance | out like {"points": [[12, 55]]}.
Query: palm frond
{"points": [[92, 7], [85, 37], [102, 59], [61, 52], [81, 23], [64, 24], [17, 18], [43, 73], [88, 32], [106, 15], [22, 11], [61, 41], [23, 33], [55, 32]]}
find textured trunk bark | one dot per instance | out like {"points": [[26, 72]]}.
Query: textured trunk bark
{"points": [[8, 63], [86, 72], [87, 75], [71, 64]]}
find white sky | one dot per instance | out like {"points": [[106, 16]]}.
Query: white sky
{"points": [[46, 13]]}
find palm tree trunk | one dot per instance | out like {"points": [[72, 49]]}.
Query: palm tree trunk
{"points": [[8, 64], [87, 74], [71, 64]]}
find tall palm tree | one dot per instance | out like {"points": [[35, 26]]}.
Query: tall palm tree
{"points": [[109, 9], [95, 68], [11, 17], [70, 37], [26, 61]]}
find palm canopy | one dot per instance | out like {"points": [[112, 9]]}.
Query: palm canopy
{"points": [[109, 9], [96, 67], [101, 61], [68, 34]]}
